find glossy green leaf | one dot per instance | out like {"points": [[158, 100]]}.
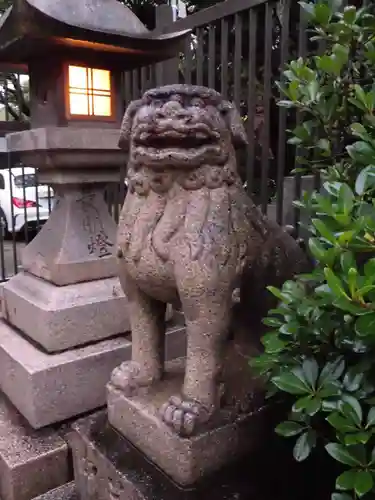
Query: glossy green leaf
{"points": [[371, 417], [341, 496], [307, 7], [310, 405], [272, 321], [310, 370], [273, 344], [332, 371], [334, 283], [347, 261], [346, 199], [340, 423], [279, 294], [352, 281], [359, 130], [346, 481], [369, 270], [362, 152], [323, 229], [352, 380], [286, 104], [365, 325], [317, 249], [351, 408], [322, 13], [304, 445], [364, 482], [365, 179], [342, 454], [357, 438], [289, 429], [290, 383]]}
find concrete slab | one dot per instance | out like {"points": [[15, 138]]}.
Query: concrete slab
{"points": [[31, 462], [65, 492], [60, 318], [48, 388]]}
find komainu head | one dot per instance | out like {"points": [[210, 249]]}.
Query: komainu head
{"points": [[181, 127]]}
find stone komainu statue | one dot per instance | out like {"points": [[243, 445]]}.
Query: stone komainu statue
{"points": [[188, 233]]}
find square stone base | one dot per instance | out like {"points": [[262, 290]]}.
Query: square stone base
{"points": [[107, 466], [31, 462], [225, 439], [48, 388], [63, 317]]}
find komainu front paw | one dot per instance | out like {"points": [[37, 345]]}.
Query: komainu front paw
{"points": [[128, 378], [183, 416]]}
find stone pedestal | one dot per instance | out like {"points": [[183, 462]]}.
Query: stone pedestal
{"points": [[227, 436], [107, 466]]}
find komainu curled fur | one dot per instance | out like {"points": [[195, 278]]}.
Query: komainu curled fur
{"points": [[188, 233]]}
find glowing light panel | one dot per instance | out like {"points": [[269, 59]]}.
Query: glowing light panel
{"points": [[89, 92]]}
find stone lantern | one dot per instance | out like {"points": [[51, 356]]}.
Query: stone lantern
{"points": [[64, 314]]}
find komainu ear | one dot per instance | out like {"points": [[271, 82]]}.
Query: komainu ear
{"points": [[234, 122], [127, 123]]}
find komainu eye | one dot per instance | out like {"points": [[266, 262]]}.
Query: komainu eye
{"points": [[176, 98], [197, 102]]}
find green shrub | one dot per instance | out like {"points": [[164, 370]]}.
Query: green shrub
{"points": [[319, 354]]}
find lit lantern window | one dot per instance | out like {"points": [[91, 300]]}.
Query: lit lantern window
{"points": [[89, 92]]}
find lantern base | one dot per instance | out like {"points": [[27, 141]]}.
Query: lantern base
{"points": [[63, 317]]}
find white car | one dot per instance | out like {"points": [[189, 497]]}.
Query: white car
{"points": [[23, 204]]}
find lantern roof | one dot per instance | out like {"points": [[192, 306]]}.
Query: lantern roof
{"points": [[84, 30]]}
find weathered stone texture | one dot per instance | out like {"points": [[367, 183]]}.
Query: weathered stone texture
{"points": [[31, 462]]}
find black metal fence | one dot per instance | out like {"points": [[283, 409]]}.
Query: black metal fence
{"points": [[237, 47]]}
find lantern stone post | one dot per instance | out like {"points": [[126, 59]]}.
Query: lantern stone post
{"points": [[65, 315]]}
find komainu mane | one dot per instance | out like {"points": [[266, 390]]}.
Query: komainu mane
{"points": [[188, 233]]}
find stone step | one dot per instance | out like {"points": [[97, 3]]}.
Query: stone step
{"points": [[65, 492], [31, 462]]}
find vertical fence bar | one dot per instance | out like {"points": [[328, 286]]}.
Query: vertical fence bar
{"points": [[302, 50], [267, 95], [127, 88], [144, 79], [281, 146], [237, 59], [2, 234], [224, 57], [12, 221], [200, 56], [135, 86], [188, 63], [212, 56], [25, 227], [251, 100]]}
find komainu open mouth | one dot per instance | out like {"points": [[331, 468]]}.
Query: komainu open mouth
{"points": [[166, 141], [184, 138]]}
